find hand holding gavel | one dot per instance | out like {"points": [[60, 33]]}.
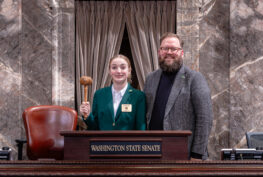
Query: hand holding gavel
{"points": [[85, 106]]}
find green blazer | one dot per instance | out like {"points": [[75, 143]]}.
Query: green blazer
{"points": [[130, 113]]}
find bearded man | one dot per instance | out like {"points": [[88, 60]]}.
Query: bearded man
{"points": [[178, 98]]}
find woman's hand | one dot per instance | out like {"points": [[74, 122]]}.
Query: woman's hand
{"points": [[84, 109]]}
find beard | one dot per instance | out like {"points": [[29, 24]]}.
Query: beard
{"points": [[174, 67]]}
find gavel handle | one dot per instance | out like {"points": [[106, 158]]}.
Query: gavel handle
{"points": [[86, 93], [85, 97]]}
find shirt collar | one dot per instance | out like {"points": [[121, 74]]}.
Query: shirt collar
{"points": [[122, 91]]}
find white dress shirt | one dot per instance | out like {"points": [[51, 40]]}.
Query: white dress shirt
{"points": [[117, 96]]}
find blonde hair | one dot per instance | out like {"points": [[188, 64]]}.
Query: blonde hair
{"points": [[128, 62]]}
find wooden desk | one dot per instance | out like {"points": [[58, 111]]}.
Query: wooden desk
{"points": [[149, 168], [125, 145]]}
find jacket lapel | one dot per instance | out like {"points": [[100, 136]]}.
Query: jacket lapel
{"points": [[176, 88], [124, 100], [154, 88]]}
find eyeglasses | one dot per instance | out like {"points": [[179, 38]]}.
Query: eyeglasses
{"points": [[173, 49]]}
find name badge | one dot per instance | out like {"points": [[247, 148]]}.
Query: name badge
{"points": [[126, 108]]}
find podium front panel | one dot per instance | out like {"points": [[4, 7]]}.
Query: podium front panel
{"points": [[125, 145]]}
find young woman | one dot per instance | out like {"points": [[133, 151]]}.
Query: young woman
{"points": [[118, 107]]}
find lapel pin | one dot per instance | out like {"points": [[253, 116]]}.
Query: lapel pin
{"points": [[183, 77], [130, 90]]}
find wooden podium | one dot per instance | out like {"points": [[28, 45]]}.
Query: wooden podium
{"points": [[125, 145]]}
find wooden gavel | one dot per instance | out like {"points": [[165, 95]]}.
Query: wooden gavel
{"points": [[86, 81]]}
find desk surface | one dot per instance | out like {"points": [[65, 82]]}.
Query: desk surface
{"points": [[165, 168]]}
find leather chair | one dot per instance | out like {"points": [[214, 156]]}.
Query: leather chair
{"points": [[43, 125], [254, 140]]}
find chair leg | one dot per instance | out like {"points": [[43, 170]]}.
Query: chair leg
{"points": [[19, 144]]}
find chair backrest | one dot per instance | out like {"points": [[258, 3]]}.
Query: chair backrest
{"points": [[43, 125], [254, 140]]}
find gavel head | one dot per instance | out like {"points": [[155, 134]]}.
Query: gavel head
{"points": [[85, 80]]}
